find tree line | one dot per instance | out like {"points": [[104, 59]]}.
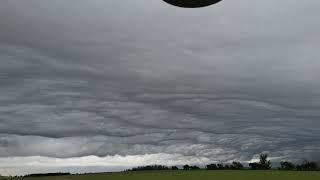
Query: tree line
{"points": [[47, 174], [262, 164]]}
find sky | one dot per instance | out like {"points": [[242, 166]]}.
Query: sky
{"points": [[90, 86]]}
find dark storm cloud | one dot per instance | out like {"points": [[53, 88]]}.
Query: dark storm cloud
{"points": [[108, 77]]}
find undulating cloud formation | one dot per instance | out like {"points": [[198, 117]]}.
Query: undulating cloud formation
{"points": [[105, 85]]}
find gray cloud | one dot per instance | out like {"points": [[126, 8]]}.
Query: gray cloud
{"points": [[115, 78]]}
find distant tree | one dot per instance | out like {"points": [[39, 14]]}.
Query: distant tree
{"points": [[285, 165], [186, 167], [236, 165], [212, 167], [47, 174], [150, 168], [174, 168], [254, 166], [220, 166], [194, 168], [227, 167], [307, 166], [264, 162]]}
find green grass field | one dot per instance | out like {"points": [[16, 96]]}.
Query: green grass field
{"points": [[195, 175]]}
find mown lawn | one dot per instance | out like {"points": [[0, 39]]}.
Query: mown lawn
{"points": [[195, 175]]}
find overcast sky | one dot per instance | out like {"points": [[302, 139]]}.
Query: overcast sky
{"points": [[102, 85]]}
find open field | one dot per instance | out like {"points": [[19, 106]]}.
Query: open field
{"points": [[195, 175]]}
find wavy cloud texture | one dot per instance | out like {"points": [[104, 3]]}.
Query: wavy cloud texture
{"points": [[117, 81]]}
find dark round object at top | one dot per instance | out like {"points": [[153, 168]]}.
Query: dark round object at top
{"points": [[192, 3]]}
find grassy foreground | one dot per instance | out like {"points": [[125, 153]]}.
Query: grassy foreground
{"points": [[195, 175]]}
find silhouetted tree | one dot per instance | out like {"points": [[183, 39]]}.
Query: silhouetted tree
{"points": [[174, 168], [255, 166], [285, 165], [194, 168], [47, 174], [264, 163], [186, 167], [220, 166], [212, 167], [307, 166], [236, 165], [148, 168]]}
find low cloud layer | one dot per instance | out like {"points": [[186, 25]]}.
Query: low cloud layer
{"points": [[101, 80]]}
